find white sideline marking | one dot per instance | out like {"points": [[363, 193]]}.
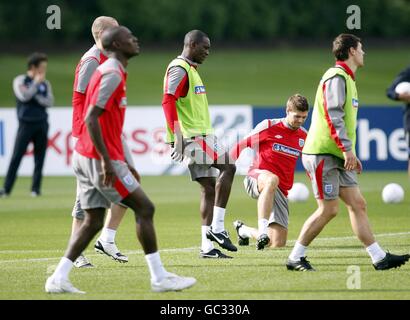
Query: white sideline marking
{"points": [[188, 249], [88, 255]]}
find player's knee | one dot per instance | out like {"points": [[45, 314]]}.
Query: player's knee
{"points": [[209, 190], [271, 182], [329, 211], [332, 211], [93, 224], [148, 209], [277, 243], [359, 206]]}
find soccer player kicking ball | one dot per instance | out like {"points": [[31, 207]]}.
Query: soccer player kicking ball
{"points": [[329, 158], [103, 175], [85, 69], [278, 144]]}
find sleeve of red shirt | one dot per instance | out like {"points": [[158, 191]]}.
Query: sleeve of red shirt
{"points": [[250, 141], [236, 150], [104, 93], [170, 110], [176, 86]]}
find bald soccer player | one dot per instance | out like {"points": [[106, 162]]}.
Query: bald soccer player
{"points": [[85, 69], [103, 175]]}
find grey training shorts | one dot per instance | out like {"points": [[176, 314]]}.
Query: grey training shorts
{"points": [[202, 152], [327, 174], [93, 194]]}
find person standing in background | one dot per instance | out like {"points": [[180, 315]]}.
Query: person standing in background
{"points": [[34, 95], [403, 76]]}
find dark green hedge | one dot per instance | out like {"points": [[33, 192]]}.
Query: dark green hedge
{"points": [[231, 20]]}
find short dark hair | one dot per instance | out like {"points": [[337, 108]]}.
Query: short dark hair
{"points": [[298, 102], [342, 43], [194, 35], [35, 59]]}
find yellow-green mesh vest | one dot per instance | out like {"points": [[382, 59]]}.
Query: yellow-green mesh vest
{"points": [[192, 110], [319, 139]]}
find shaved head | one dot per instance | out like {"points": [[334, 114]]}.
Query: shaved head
{"points": [[109, 36], [119, 41], [195, 36], [100, 24]]}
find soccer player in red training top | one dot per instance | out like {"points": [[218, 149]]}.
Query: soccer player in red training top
{"points": [[85, 69], [278, 144], [103, 175]]}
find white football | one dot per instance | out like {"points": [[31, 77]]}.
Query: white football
{"points": [[392, 193], [298, 193], [403, 87]]}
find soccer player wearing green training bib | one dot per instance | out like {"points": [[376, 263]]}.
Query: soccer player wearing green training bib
{"points": [[190, 133], [330, 160]]}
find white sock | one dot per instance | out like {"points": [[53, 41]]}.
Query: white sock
{"points": [[108, 235], [245, 232], [63, 269], [218, 220], [298, 252], [375, 252], [156, 269], [263, 226], [206, 244]]}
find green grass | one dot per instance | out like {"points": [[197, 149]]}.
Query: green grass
{"points": [[34, 234], [257, 77]]}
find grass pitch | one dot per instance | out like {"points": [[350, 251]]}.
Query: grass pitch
{"points": [[34, 233], [245, 76]]}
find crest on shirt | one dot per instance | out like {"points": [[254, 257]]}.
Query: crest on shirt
{"points": [[355, 103], [301, 142], [200, 90], [128, 180], [278, 136], [328, 188]]}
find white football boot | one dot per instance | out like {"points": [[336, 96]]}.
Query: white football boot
{"points": [[82, 262], [111, 250], [172, 282], [60, 286]]}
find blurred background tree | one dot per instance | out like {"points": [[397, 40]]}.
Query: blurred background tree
{"points": [[262, 50], [230, 21]]}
